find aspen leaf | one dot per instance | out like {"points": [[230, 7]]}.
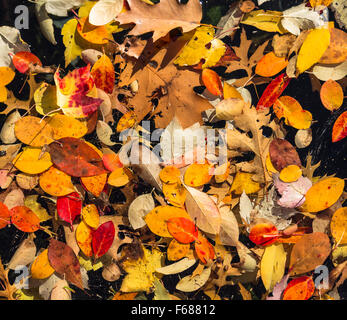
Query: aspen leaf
{"points": [[228, 108], [264, 20], [243, 182], [25, 219], [65, 126], [45, 97], [175, 193], [182, 229], [27, 181], [104, 133], [323, 194], [212, 82], [72, 49], [204, 249], [169, 174], [23, 59], [69, 207], [197, 175], [95, 184], [313, 48], [127, 121], [103, 74], [31, 202], [41, 268], [263, 234], [5, 215], [331, 95], [87, 34], [118, 178], [272, 265]]}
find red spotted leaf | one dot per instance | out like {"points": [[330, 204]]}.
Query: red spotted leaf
{"points": [[69, 207], [64, 261], [264, 234], [75, 157], [283, 154], [340, 128], [103, 238], [182, 229], [204, 249], [273, 92], [212, 82], [25, 219], [23, 59], [5, 215], [301, 288]]}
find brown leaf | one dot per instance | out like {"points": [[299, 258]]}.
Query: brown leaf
{"points": [[64, 261], [162, 17]]}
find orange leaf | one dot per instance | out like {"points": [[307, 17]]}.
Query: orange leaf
{"points": [[264, 234], [111, 161], [22, 60], [182, 229], [24, 219], [212, 82], [169, 174], [270, 64], [204, 249], [176, 250], [331, 95], [95, 184], [197, 174], [340, 128], [301, 288], [86, 32], [103, 74]]}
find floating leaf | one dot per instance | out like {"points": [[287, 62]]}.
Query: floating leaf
{"points": [[204, 249], [290, 173], [5, 215], [263, 234], [84, 236], [331, 95], [177, 250], [90, 215], [169, 174], [141, 206], [212, 82], [118, 178], [23, 59], [95, 184], [243, 182], [104, 74], [65, 126]]}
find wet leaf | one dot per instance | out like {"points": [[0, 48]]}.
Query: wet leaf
{"points": [[103, 238], [301, 288]]}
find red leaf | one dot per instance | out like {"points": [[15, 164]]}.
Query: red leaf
{"points": [[103, 238], [64, 261], [264, 234], [283, 154], [4, 216], [301, 288], [340, 128], [75, 157], [22, 60], [273, 91], [212, 82], [69, 207], [204, 249], [182, 229]]}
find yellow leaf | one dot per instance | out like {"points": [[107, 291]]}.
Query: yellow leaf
{"points": [[95, 184], [65, 126], [243, 181], [3, 94], [202, 45], [313, 48], [127, 121], [90, 215], [316, 3], [272, 265], [56, 183], [230, 91], [156, 219], [89, 263], [6, 76], [140, 275], [28, 161], [41, 212], [169, 174], [33, 131], [175, 193], [41, 268], [84, 238], [269, 166], [290, 173], [176, 250], [197, 174], [323, 194], [264, 20], [72, 49], [338, 225], [118, 178], [45, 97]]}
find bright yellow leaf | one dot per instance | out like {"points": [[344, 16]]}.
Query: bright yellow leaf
{"points": [[65, 126], [243, 182], [41, 268], [290, 173], [338, 225], [90, 215]]}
